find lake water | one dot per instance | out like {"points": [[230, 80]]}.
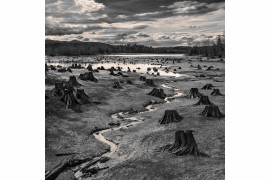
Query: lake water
{"points": [[138, 62]]}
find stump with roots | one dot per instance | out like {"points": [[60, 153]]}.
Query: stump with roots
{"points": [[88, 76], [194, 93], [102, 68], [150, 82], [82, 96], [142, 78], [184, 144], [216, 92], [199, 67], [73, 81], [170, 116], [69, 99], [157, 93], [212, 111], [89, 67], [204, 100], [116, 85], [58, 89], [207, 86]]}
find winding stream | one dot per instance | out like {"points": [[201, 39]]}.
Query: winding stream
{"points": [[126, 121]]}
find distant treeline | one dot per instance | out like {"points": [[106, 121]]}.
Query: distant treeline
{"points": [[72, 48]]}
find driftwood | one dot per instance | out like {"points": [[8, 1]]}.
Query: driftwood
{"points": [[207, 86], [170, 116], [150, 82], [88, 76], [194, 93], [157, 93], [116, 85], [69, 99], [58, 89], [184, 144], [58, 169], [73, 81], [204, 100], [216, 92], [212, 111], [82, 96]]}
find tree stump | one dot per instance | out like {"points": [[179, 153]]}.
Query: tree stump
{"points": [[179, 68], [134, 70], [212, 111], [158, 74], [73, 81], [62, 70], [184, 144], [193, 93], [142, 78], [128, 70], [199, 67], [69, 70], [119, 69], [150, 82], [82, 96], [207, 86], [102, 68], [157, 93], [170, 116], [58, 89], [69, 99], [209, 68], [155, 69], [216, 92], [111, 72], [148, 69], [88, 76], [116, 85], [129, 82], [52, 67], [204, 100], [89, 67]]}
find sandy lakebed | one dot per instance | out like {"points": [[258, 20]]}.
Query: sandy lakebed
{"points": [[107, 128]]}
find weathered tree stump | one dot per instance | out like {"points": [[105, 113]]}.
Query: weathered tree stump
{"points": [[150, 82], [212, 111], [170, 116], [209, 68], [102, 68], [134, 70], [158, 74], [58, 89], [155, 69], [116, 85], [194, 93], [69, 99], [128, 70], [73, 81], [157, 93], [82, 96], [111, 72], [184, 144], [119, 69], [149, 69], [204, 100], [52, 67], [89, 67], [199, 67], [207, 86], [88, 76], [216, 92], [142, 78]]}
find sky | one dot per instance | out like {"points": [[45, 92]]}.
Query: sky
{"points": [[156, 23]]}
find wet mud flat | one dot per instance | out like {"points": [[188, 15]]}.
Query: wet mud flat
{"points": [[136, 136]]}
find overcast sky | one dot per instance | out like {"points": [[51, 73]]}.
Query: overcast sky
{"points": [[149, 22]]}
